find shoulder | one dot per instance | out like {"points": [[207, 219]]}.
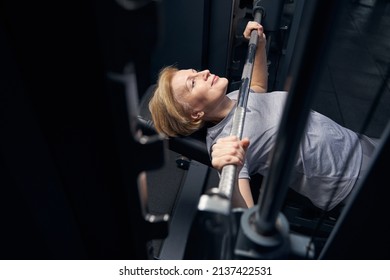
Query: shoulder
{"points": [[234, 94], [272, 96], [274, 92], [258, 89]]}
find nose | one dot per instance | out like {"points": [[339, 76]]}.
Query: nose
{"points": [[204, 74]]}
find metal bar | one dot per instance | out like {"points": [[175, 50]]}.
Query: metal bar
{"points": [[229, 172]]}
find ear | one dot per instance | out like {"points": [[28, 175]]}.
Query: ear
{"points": [[197, 115]]}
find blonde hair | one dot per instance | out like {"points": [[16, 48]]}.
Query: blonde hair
{"points": [[170, 116]]}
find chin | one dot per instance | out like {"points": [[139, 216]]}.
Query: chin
{"points": [[225, 83]]}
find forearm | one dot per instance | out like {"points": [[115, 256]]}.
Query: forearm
{"points": [[259, 82]]}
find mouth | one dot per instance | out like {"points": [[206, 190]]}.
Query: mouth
{"points": [[215, 79]]}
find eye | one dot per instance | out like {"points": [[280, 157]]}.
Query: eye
{"points": [[193, 78]]}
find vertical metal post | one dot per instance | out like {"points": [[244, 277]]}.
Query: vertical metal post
{"points": [[264, 231], [309, 57]]}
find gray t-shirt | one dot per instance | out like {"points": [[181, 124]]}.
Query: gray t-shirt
{"points": [[321, 166]]}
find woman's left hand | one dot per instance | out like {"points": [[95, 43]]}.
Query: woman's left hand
{"points": [[253, 25]]}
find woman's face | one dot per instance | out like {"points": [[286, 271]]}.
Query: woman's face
{"points": [[200, 90]]}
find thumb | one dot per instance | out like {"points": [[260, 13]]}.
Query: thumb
{"points": [[245, 143]]}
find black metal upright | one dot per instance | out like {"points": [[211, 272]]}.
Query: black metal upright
{"points": [[303, 77], [264, 230], [68, 186]]}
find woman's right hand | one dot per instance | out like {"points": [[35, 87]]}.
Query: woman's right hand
{"points": [[229, 150]]}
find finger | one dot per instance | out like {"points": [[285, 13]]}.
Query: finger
{"points": [[227, 153], [230, 138], [219, 162]]}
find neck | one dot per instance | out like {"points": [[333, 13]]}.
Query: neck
{"points": [[221, 111]]}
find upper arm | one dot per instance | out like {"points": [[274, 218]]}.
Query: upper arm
{"points": [[243, 198]]}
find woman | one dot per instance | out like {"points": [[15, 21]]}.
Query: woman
{"points": [[329, 157]]}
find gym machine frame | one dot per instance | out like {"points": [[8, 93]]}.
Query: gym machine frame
{"points": [[263, 232]]}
